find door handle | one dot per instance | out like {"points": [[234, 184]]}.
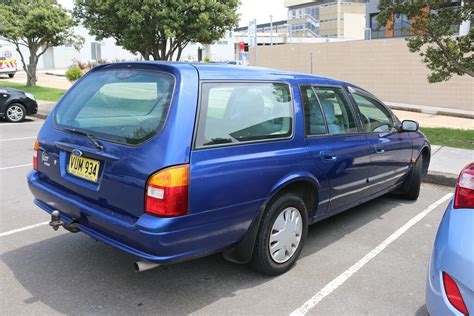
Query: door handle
{"points": [[327, 155], [379, 149]]}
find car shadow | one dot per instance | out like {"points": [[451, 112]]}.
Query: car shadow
{"points": [[327, 231], [422, 311], [73, 273], [28, 119]]}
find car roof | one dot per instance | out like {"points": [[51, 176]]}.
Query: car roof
{"points": [[221, 71]]}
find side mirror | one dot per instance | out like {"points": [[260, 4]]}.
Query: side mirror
{"points": [[409, 126]]}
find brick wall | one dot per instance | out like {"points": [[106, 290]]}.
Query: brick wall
{"points": [[384, 66]]}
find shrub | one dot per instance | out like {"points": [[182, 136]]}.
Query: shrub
{"points": [[73, 73]]}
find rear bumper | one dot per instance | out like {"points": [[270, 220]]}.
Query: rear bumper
{"points": [[7, 70], [161, 240]]}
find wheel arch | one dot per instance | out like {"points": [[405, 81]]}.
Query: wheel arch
{"points": [[303, 184], [425, 152]]}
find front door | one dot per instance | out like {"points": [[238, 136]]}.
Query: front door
{"points": [[337, 147], [391, 150]]}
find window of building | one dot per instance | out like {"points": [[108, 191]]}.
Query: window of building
{"points": [[376, 33], [96, 51], [232, 113], [401, 26], [338, 113]]}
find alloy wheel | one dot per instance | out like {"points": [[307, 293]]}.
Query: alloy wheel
{"points": [[15, 113]]}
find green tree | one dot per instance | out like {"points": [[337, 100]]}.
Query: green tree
{"points": [[434, 23], [36, 25], [158, 28]]}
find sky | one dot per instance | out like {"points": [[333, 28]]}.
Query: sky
{"points": [[249, 10], [261, 10]]}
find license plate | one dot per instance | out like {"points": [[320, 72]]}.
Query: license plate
{"points": [[84, 168]]}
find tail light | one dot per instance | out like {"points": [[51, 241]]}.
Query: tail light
{"points": [[464, 197], [167, 192], [35, 154], [453, 294]]}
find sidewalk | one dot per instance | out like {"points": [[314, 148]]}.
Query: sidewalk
{"points": [[431, 110], [44, 107], [446, 162], [433, 120]]}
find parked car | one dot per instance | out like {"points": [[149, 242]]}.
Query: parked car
{"points": [[450, 285], [175, 161], [16, 104], [8, 64]]}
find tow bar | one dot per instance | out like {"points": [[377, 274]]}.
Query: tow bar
{"points": [[56, 222]]}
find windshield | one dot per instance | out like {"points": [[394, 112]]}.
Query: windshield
{"points": [[121, 105]]}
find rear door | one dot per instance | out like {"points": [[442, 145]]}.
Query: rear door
{"points": [[391, 150], [337, 147], [244, 144]]}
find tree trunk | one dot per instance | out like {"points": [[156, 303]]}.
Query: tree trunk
{"points": [[156, 56], [180, 51], [31, 73], [145, 55]]}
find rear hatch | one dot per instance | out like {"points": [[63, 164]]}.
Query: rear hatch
{"points": [[103, 140]]}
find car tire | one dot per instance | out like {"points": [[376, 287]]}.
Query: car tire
{"points": [[411, 186], [276, 250], [11, 76], [15, 113]]}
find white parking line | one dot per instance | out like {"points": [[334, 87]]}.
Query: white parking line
{"points": [[19, 138], [14, 231], [13, 167], [344, 276]]}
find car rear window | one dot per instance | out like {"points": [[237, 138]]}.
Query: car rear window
{"points": [[120, 105]]}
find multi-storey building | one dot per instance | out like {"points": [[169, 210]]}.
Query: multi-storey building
{"points": [[400, 26], [326, 18]]}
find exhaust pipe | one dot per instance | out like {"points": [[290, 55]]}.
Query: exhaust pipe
{"points": [[141, 266]]}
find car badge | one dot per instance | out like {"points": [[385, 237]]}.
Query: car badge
{"points": [[77, 152], [45, 159]]}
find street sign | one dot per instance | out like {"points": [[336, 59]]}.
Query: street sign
{"points": [[252, 32]]}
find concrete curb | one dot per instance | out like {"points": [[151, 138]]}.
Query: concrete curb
{"points": [[40, 116], [55, 74], [435, 112], [440, 178]]}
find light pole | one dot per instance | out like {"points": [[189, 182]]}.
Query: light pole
{"points": [[370, 32], [291, 31], [271, 30]]}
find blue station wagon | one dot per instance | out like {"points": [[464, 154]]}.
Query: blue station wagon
{"points": [[175, 161]]}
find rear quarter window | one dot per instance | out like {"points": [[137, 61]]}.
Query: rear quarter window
{"points": [[233, 113], [121, 105]]}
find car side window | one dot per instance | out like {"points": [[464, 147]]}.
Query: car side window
{"points": [[313, 115], [233, 113], [338, 113], [375, 117]]}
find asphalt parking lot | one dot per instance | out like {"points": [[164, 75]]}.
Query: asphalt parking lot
{"points": [[369, 260]]}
